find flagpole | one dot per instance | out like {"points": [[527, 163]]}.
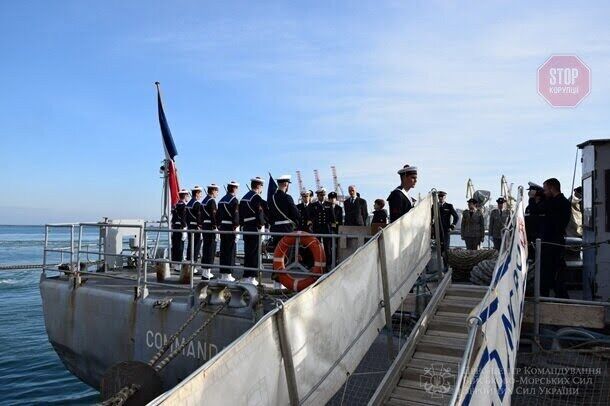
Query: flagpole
{"points": [[166, 208], [166, 201]]}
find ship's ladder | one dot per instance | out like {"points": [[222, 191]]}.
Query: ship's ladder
{"points": [[425, 370]]}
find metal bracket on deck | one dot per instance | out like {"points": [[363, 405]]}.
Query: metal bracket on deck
{"points": [[75, 280], [140, 292]]}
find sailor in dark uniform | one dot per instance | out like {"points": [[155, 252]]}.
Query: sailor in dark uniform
{"points": [[209, 209], [194, 222], [534, 215], [252, 218], [448, 220], [306, 196], [338, 211], [356, 212], [227, 219], [338, 220], [321, 218], [399, 200], [283, 213], [557, 212], [179, 224]]}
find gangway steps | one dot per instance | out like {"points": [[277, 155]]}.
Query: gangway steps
{"points": [[425, 371]]}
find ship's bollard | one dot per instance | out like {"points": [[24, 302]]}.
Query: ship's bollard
{"points": [[185, 274], [163, 272]]}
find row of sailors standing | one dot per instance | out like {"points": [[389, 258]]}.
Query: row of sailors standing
{"points": [[282, 215], [252, 214]]}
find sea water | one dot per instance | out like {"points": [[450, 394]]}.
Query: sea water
{"points": [[31, 373]]}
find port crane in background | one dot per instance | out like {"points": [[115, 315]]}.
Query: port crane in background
{"points": [[469, 189], [337, 185], [300, 182], [482, 196], [506, 192], [316, 176]]}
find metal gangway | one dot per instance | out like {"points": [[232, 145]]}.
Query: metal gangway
{"points": [[462, 351], [303, 351], [425, 370]]}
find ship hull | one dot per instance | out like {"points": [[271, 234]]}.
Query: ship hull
{"points": [[99, 324]]}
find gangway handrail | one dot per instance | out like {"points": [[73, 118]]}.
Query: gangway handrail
{"points": [[392, 377], [474, 322]]}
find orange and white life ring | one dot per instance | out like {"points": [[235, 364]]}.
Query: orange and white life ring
{"points": [[280, 255]]}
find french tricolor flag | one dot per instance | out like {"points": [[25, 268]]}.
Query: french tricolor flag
{"points": [[170, 151]]}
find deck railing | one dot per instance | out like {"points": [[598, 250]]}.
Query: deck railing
{"points": [[75, 259]]}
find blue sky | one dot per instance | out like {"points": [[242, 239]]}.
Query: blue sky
{"points": [[279, 86]]}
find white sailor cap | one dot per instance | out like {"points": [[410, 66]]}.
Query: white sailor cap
{"points": [[284, 179], [184, 192], [196, 188], [304, 192], [212, 186], [233, 183], [258, 179], [407, 169], [321, 190]]}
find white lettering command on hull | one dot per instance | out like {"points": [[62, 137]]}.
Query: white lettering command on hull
{"points": [[195, 349]]}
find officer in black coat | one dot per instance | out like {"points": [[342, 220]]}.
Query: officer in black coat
{"points": [[338, 216], [557, 211], [332, 203], [356, 212], [227, 219], [209, 209], [449, 219], [306, 196], [533, 217], [194, 220], [252, 218], [179, 224], [283, 213], [399, 200], [320, 219]]}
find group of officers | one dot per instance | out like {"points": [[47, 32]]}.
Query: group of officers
{"points": [[548, 216], [252, 213]]}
